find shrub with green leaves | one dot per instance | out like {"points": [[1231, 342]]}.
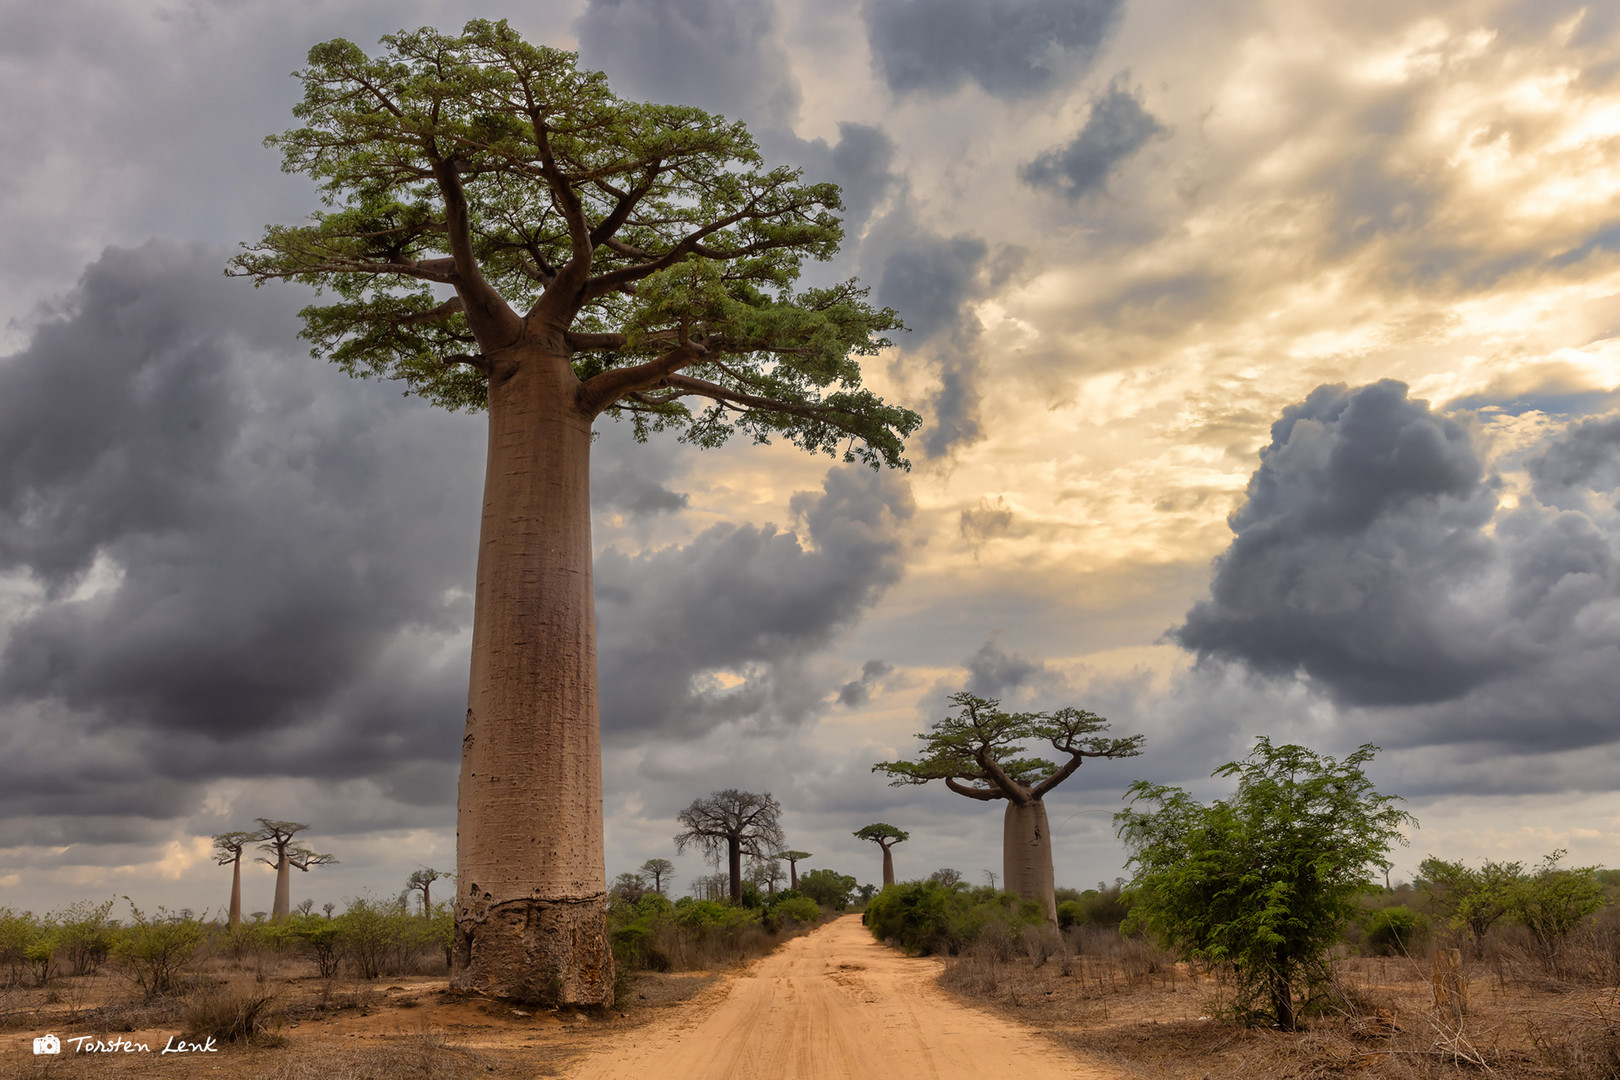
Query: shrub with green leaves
{"points": [[1394, 931], [18, 932], [86, 935], [318, 938], [1552, 901], [1267, 879], [155, 950], [925, 917]]}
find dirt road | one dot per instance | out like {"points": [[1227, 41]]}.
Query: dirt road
{"points": [[833, 1005]]}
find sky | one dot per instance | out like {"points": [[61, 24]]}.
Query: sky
{"points": [[1269, 356]]}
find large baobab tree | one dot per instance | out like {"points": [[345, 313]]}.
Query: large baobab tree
{"points": [[228, 848], [422, 881], [278, 842], [977, 752], [793, 859], [658, 870], [507, 234], [732, 823], [884, 836]]}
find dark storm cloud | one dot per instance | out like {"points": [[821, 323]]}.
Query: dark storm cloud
{"points": [[1011, 48], [860, 163], [679, 627], [249, 565], [1117, 127], [859, 691], [930, 279], [994, 672], [721, 55], [1371, 558]]}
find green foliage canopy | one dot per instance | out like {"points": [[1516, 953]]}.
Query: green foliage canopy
{"points": [[1267, 879], [1470, 898], [484, 193], [980, 751]]}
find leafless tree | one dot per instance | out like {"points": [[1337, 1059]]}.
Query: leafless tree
{"points": [[734, 822]]}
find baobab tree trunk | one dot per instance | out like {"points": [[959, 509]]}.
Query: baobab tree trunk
{"points": [[734, 865], [888, 866], [793, 875], [1026, 855], [236, 891], [283, 905], [531, 886]]}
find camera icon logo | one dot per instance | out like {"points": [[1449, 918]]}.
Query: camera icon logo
{"points": [[47, 1044]]}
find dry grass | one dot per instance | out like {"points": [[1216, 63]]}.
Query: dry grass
{"points": [[1132, 1006]]}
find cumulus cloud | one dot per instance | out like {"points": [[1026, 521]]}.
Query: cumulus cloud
{"points": [[721, 630], [1117, 127], [722, 55], [1372, 558], [1010, 48]]}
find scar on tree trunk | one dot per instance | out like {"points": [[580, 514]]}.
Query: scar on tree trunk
{"points": [[1026, 855], [531, 886]]}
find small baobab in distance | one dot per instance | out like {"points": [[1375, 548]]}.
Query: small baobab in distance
{"points": [[884, 836], [979, 752]]}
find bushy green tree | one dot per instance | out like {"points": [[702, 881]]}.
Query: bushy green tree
{"points": [[1471, 899], [828, 888], [1267, 879]]}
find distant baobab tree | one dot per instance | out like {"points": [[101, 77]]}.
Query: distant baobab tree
{"points": [[793, 859], [764, 872], [734, 823], [305, 907], [978, 753], [884, 836], [422, 881], [228, 848], [658, 870], [278, 841]]}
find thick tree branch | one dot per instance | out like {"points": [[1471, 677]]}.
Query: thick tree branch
{"points": [[602, 390], [492, 321], [438, 314], [982, 794]]}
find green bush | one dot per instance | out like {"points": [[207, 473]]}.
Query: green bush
{"points": [[799, 908], [925, 917], [86, 935], [319, 938], [18, 931], [1394, 931], [155, 951]]}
